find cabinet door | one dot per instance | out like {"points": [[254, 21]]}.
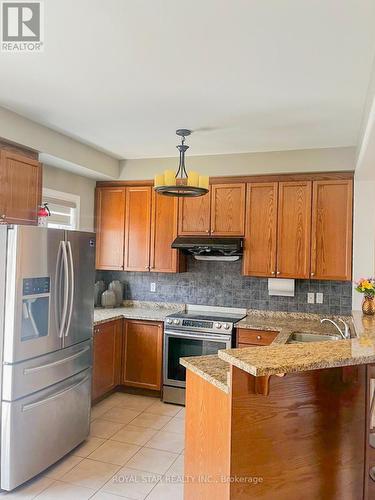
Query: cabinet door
{"points": [[110, 227], [294, 230], [137, 228], [194, 216], [228, 209], [20, 188], [142, 356], [261, 227], [164, 220], [106, 357], [332, 220]]}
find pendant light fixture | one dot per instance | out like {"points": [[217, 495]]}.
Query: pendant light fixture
{"points": [[182, 183]]}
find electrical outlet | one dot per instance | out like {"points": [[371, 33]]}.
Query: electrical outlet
{"points": [[319, 298], [310, 298], [152, 287]]}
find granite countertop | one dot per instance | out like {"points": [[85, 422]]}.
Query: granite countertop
{"points": [[287, 358], [280, 357], [211, 368], [150, 311]]}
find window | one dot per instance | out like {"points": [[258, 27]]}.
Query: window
{"points": [[64, 208]]}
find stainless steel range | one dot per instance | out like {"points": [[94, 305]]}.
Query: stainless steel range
{"points": [[199, 331]]}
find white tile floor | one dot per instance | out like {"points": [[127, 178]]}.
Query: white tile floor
{"points": [[135, 451]]}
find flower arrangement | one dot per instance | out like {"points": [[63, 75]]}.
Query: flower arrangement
{"points": [[366, 286]]}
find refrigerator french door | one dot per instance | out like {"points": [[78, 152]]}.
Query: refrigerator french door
{"points": [[46, 315]]}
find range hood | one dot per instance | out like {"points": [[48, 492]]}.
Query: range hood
{"points": [[222, 249]]}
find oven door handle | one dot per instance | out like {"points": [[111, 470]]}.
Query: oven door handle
{"points": [[222, 338]]}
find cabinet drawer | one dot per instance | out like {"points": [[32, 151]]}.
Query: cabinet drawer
{"points": [[255, 337]]}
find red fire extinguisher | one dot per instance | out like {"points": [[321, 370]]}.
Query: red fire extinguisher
{"points": [[43, 213]]}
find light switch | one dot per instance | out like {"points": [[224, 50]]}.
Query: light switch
{"points": [[152, 287], [310, 298], [319, 298]]}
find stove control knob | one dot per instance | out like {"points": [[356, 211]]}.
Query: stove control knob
{"points": [[176, 321], [169, 321], [217, 325], [226, 326]]}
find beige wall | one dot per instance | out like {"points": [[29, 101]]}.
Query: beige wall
{"points": [[20, 130], [307, 160], [61, 180]]}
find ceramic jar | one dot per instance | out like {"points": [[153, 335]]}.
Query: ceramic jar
{"points": [[99, 288], [118, 288], [108, 299]]}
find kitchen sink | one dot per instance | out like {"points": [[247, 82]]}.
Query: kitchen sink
{"points": [[299, 337]]}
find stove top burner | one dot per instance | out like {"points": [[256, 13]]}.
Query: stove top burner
{"points": [[199, 316]]}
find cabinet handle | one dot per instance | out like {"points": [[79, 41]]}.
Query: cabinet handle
{"points": [[259, 337], [312, 274], [272, 272], [278, 272], [207, 230]]}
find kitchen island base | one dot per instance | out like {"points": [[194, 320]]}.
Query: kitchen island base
{"points": [[297, 436]]}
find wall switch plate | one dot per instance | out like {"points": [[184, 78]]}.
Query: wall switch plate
{"points": [[319, 298], [152, 287], [310, 298]]}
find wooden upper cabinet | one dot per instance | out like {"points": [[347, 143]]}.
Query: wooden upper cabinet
{"points": [[194, 216], [20, 188], [110, 227], [228, 209], [137, 228], [294, 229], [261, 226], [142, 356], [332, 220], [164, 220], [106, 357]]}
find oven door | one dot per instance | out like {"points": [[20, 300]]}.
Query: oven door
{"points": [[178, 344]]}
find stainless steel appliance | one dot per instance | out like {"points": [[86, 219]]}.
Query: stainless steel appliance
{"points": [[210, 248], [46, 317], [197, 332]]}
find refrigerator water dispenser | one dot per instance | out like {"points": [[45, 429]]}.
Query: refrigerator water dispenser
{"points": [[35, 308]]}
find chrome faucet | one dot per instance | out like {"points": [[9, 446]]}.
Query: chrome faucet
{"points": [[344, 334]]}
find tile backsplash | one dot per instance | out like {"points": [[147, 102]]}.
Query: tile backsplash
{"points": [[221, 284]]}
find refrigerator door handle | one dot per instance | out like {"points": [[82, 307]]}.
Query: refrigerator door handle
{"points": [[58, 289], [66, 288], [41, 402], [34, 369], [71, 288]]}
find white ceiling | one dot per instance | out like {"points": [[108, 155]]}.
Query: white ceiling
{"points": [[247, 75]]}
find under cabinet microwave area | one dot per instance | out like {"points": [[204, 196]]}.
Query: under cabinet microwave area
{"points": [[294, 226]]}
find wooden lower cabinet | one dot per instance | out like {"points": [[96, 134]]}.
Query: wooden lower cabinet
{"points": [[370, 435], [142, 354], [247, 337], [106, 357]]}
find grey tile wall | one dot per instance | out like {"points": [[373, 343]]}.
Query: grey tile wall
{"points": [[221, 284]]}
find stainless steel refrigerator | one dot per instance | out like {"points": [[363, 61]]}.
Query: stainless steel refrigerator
{"points": [[46, 316]]}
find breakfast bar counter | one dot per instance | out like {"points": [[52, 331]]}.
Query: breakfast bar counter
{"points": [[274, 421]]}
